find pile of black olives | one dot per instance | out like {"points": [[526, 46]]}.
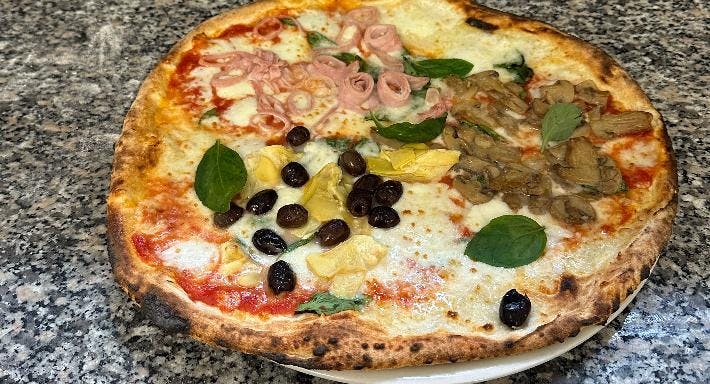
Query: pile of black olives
{"points": [[369, 191]]}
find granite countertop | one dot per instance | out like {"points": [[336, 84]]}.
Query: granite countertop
{"points": [[68, 73]]}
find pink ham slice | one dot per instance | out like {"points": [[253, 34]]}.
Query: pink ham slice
{"points": [[393, 89], [268, 28], [383, 41], [333, 68], [356, 90]]}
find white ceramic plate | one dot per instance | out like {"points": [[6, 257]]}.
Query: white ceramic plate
{"points": [[465, 372]]}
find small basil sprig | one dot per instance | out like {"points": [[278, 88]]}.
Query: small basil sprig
{"points": [[436, 68], [208, 114], [407, 132], [559, 122], [508, 241], [288, 21], [220, 175], [339, 144], [325, 303], [299, 243], [365, 67], [318, 40], [483, 129], [518, 69]]}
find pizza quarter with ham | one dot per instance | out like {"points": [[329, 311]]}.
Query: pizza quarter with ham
{"points": [[378, 184]]}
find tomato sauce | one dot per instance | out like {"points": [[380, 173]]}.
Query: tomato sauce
{"points": [[210, 290], [448, 180], [235, 30]]}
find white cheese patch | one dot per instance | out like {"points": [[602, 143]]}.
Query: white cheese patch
{"points": [[201, 77], [639, 154], [292, 46], [481, 214], [319, 21], [190, 255], [316, 154], [241, 111], [236, 91], [238, 43]]}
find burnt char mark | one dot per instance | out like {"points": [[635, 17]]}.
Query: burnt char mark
{"points": [[508, 344], [488, 326], [415, 347], [332, 340], [379, 346], [645, 272], [163, 315], [365, 345], [568, 284], [480, 24], [320, 350]]}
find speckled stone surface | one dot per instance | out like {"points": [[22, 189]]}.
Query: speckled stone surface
{"points": [[68, 72]]}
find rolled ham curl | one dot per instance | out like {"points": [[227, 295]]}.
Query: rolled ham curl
{"points": [[382, 38], [319, 86], [362, 17], [416, 82], [333, 68], [293, 102], [356, 89], [269, 121], [268, 28], [393, 89], [344, 42]]}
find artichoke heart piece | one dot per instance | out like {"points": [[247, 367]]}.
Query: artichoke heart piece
{"points": [[413, 163], [323, 196], [347, 263], [264, 166]]}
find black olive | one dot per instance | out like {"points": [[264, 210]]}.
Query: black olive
{"points": [[368, 182], [383, 217], [352, 162], [359, 202], [281, 277], [298, 135], [388, 192], [262, 201], [268, 241], [292, 216], [294, 174], [225, 219], [332, 232], [514, 309]]}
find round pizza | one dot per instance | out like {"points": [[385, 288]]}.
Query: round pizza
{"points": [[377, 184]]}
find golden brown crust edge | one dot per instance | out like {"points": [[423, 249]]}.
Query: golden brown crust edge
{"points": [[349, 342]]}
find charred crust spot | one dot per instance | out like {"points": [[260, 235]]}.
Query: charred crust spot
{"points": [[163, 315], [480, 24], [275, 341], [452, 314], [574, 333], [508, 344], [568, 284], [320, 350], [429, 361], [629, 291], [307, 338], [415, 347], [615, 304], [645, 272], [358, 367], [224, 343], [453, 359], [367, 359], [378, 345], [488, 326], [332, 340], [365, 345]]}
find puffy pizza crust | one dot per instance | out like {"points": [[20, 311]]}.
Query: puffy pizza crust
{"points": [[344, 340]]}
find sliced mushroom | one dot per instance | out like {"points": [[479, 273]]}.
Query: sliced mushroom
{"points": [[609, 126], [379, 139], [581, 163], [539, 205], [611, 181], [515, 200], [588, 92], [453, 141], [560, 92], [572, 209], [472, 189], [540, 107]]}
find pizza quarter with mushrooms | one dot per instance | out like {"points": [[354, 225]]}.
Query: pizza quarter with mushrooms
{"points": [[380, 184]]}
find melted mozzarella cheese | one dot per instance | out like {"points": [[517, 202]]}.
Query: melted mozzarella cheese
{"points": [[241, 111], [191, 255], [316, 154], [319, 21], [643, 153]]}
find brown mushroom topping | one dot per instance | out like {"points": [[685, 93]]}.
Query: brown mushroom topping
{"points": [[609, 126], [472, 189], [560, 92], [588, 92], [572, 209], [581, 163], [381, 140], [610, 177]]}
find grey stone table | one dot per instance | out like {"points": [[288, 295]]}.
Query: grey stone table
{"points": [[68, 72]]}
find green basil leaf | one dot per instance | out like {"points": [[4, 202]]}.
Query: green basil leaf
{"points": [[508, 241], [325, 303], [407, 132], [365, 67], [220, 175], [288, 21], [299, 243], [559, 122], [339, 144], [518, 69], [436, 68], [208, 114], [318, 40], [421, 93], [483, 129]]}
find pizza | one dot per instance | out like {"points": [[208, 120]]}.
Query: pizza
{"points": [[377, 184]]}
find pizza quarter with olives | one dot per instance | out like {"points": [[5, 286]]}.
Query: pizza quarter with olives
{"points": [[377, 184]]}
